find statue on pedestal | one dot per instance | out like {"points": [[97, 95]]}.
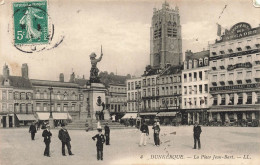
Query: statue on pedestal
{"points": [[94, 70]]}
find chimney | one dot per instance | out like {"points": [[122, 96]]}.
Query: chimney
{"points": [[61, 77], [72, 77], [6, 72], [25, 71]]}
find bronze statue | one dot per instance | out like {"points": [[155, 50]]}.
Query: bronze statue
{"points": [[94, 70]]}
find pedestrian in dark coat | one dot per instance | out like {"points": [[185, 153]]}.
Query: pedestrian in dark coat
{"points": [[131, 121], [156, 134], [32, 130], [196, 135], [65, 140], [100, 141], [107, 134], [47, 140], [144, 132]]}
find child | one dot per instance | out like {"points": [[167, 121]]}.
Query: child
{"points": [[100, 141]]}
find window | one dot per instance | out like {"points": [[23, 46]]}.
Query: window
{"points": [[195, 62], [200, 62], [10, 95], [171, 79], [175, 78], [231, 61], [185, 77], [214, 78], [65, 96], [195, 101], [148, 82], [195, 76], [185, 102], [4, 107], [231, 76], [23, 96], [4, 95], [239, 60], [214, 64], [222, 77], [200, 88], [240, 98], [144, 91], [190, 77], [248, 74], [58, 108], [248, 58], [200, 75], [190, 64], [239, 75], [162, 80], [206, 61], [223, 99], [175, 90], [249, 98], [222, 62], [128, 86], [215, 100], [239, 49], [195, 89], [144, 82], [206, 88], [185, 90], [153, 92], [231, 99], [258, 98], [179, 89], [206, 74], [190, 90], [153, 83], [171, 101], [38, 107]]}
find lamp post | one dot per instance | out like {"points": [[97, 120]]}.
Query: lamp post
{"points": [[51, 122], [138, 118]]}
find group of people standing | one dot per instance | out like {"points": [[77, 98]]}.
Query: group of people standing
{"points": [[156, 127]]}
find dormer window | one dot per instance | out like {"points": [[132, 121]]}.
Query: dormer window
{"points": [[222, 52], [230, 50], [214, 53], [239, 49], [190, 64], [248, 47], [185, 65], [206, 61], [195, 63]]}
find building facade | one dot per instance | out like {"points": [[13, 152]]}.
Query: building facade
{"points": [[165, 37], [16, 99], [195, 87], [133, 94], [235, 76], [116, 99]]}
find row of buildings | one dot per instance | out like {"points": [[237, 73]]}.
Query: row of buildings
{"points": [[23, 100], [217, 86]]}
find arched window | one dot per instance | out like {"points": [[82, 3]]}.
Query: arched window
{"points": [[206, 61], [45, 95], [190, 64], [185, 65], [200, 62], [195, 63], [38, 95], [65, 96]]}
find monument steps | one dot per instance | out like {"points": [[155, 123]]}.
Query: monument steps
{"points": [[81, 125]]}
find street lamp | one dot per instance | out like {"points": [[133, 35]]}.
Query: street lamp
{"points": [[51, 123], [138, 87]]}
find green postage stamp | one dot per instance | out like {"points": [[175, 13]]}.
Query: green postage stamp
{"points": [[30, 23]]}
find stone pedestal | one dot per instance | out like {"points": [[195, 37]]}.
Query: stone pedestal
{"points": [[106, 115]]}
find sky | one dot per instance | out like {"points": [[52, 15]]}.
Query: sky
{"points": [[123, 30]]}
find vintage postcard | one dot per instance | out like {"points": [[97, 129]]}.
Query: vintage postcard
{"points": [[129, 82]]}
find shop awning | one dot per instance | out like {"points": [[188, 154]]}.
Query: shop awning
{"points": [[231, 110], [25, 117], [166, 114], [152, 113], [128, 116], [56, 116]]}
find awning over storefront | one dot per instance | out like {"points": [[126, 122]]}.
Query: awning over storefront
{"points": [[25, 117], [128, 115], [56, 116], [147, 114], [231, 110], [166, 114]]}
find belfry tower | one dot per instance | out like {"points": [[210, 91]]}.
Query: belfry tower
{"points": [[165, 37]]}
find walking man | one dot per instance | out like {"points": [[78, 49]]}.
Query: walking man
{"points": [[107, 134], [65, 139], [156, 134], [100, 140], [144, 132], [32, 130], [196, 134], [47, 140]]}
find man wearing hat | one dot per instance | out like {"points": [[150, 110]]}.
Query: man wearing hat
{"points": [[100, 141], [47, 140], [196, 134], [65, 139], [107, 134], [32, 130]]}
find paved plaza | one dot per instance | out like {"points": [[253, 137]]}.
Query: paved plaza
{"points": [[226, 145]]}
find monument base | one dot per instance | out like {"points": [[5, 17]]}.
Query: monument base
{"points": [[89, 125]]}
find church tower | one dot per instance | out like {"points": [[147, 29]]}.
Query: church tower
{"points": [[165, 37]]}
